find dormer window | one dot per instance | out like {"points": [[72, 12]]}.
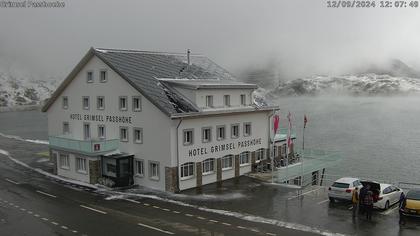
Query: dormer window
{"points": [[226, 100], [209, 101], [243, 99], [89, 77]]}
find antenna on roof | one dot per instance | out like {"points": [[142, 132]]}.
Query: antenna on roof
{"points": [[188, 56]]}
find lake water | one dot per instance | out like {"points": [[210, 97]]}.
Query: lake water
{"points": [[377, 137]]}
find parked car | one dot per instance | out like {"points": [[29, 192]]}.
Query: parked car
{"points": [[411, 204], [342, 188], [388, 196]]}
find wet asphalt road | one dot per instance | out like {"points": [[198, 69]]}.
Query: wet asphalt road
{"points": [[31, 204]]}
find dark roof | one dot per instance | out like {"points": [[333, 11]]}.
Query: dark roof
{"points": [[142, 69]]}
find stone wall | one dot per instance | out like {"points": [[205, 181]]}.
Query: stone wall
{"points": [[171, 179], [94, 171], [199, 172]]}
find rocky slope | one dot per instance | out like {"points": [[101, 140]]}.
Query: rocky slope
{"points": [[19, 91]]}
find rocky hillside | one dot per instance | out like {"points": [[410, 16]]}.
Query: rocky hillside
{"points": [[18, 91]]}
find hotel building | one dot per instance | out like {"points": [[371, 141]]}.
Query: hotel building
{"points": [[162, 120]]}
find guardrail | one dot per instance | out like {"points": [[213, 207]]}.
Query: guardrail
{"points": [[88, 147]]}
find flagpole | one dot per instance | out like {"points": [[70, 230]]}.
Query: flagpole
{"points": [[287, 148], [303, 151], [272, 150]]}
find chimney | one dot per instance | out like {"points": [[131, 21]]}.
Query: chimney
{"points": [[188, 56]]}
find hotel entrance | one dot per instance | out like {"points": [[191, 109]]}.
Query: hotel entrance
{"points": [[118, 168]]}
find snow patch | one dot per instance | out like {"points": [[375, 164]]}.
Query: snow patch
{"points": [[37, 141]]}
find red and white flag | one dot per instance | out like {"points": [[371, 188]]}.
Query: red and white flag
{"points": [[276, 121]]}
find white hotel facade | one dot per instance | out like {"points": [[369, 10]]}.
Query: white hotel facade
{"points": [[166, 121]]}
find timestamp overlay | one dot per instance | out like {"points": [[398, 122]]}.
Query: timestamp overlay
{"points": [[372, 4]]}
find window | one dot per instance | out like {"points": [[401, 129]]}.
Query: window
{"points": [[235, 131], [85, 103], [187, 170], [226, 100], [89, 77], [188, 137], [209, 101], [103, 76], [139, 168], [244, 158], [123, 134], [100, 102], [206, 134], [101, 131], [243, 99], [64, 161], [208, 166], [227, 162], [136, 104], [247, 129], [259, 154], [221, 132], [138, 135], [111, 169], [86, 130], [123, 103], [66, 128], [154, 170], [81, 165], [65, 102]]}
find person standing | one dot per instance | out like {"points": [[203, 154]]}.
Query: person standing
{"points": [[368, 203], [355, 201]]}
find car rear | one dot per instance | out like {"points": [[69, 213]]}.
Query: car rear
{"points": [[341, 190], [411, 204]]}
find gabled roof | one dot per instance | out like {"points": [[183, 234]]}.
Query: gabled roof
{"points": [[142, 68]]}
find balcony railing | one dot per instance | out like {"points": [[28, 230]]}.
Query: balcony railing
{"points": [[88, 147]]}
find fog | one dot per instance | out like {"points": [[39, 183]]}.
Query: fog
{"points": [[297, 37]]}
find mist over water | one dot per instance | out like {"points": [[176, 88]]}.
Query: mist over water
{"points": [[377, 137]]}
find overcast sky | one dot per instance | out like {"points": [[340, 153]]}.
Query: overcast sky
{"points": [[302, 36]]}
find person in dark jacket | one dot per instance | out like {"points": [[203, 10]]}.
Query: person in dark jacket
{"points": [[368, 203]]}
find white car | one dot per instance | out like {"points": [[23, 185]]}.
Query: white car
{"points": [[388, 196], [342, 188]]}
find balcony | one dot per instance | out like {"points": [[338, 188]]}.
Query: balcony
{"points": [[87, 147]]}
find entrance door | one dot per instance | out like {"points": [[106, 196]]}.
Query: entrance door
{"points": [[126, 171]]}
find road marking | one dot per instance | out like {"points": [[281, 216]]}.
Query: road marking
{"points": [[319, 203], [30, 212], [240, 227], [156, 207], [146, 204], [93, 209], [157, 229], [11, 181], [36, 215], [214, 221], [46, 194], [44, 219], [255, 230], [176, 212], [22, 209], [54, 223], [189, 215], [350, 207], [165, 209], [290, 198], [271, 234], [11, 204], [131, 200], [201, 218], [74, 231], [64, 227], [227, 224]]}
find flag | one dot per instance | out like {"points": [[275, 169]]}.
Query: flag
{"points": [[289, 138], [305, 120], [276, 121]]}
